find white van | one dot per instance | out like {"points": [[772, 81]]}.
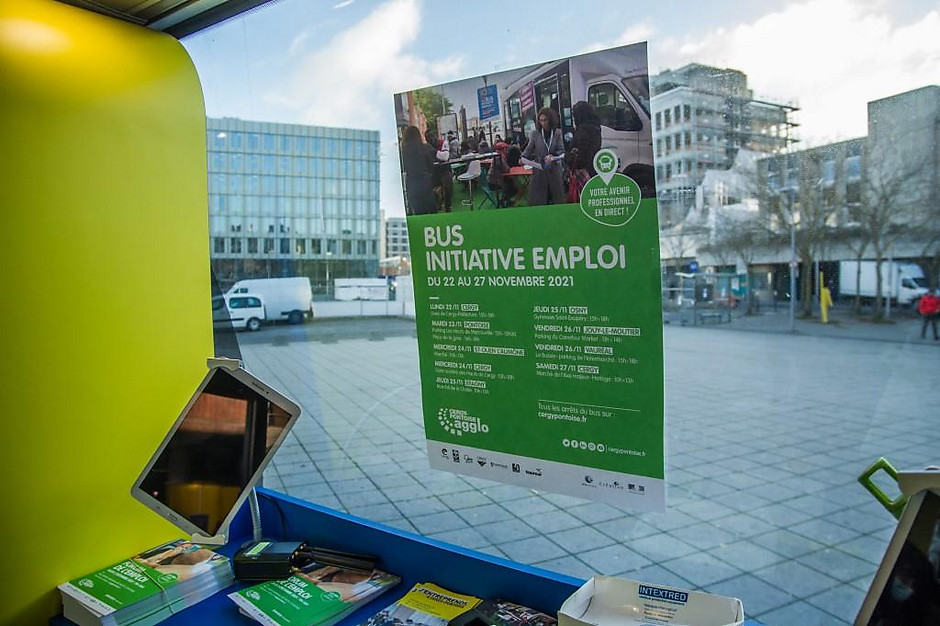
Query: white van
{"points": [[288, 299], [243, 311], [614, 82]]}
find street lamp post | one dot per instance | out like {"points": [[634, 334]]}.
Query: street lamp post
{"points": [[793, 266], [329, 258]]}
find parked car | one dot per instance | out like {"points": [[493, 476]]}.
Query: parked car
{"points": [[242, 311]]}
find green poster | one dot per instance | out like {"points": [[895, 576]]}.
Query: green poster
{"points": [[540, 325]]}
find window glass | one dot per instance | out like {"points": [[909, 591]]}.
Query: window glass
{"points": [[613, 108], [767, 425]]}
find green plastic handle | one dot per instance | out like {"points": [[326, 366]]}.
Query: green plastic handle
{"points": [[896, 506]]}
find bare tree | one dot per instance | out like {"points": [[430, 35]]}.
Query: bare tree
{"points": [[800, 204], [926, 226], [857, 241], [679, 243], [739, 238], [892, 202]]}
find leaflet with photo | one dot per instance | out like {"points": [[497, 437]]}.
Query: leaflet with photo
{"points": [[151, 585], [425, 604], [319, 597]]}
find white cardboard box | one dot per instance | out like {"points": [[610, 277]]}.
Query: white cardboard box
{"points": [[609, 601]]}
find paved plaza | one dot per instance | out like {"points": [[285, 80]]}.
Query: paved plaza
{"points": [[766, 433]]}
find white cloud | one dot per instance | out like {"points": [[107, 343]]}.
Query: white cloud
{"points": [[349, 81], [831, 56], [298, 43]]}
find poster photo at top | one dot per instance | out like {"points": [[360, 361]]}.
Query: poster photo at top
{"points": [[526, 137], [532, 222]]}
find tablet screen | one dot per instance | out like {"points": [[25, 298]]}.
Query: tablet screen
{"points": [[214, 451], [911, 595]]}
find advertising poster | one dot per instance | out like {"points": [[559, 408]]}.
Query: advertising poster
{"points": [[488, 100], [537, 280]]}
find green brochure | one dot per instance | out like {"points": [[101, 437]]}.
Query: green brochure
{"points": [[320, 597]]}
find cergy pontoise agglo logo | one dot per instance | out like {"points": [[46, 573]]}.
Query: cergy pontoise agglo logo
{"points": [[457, 422], [610, 198], [86, 583]]}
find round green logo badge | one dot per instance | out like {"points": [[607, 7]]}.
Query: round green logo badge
{"points": [[610, 198], [167, 578]]}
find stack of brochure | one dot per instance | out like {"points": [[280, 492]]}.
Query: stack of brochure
{"points": [[425, 604], [320, 596], [147, 588]]}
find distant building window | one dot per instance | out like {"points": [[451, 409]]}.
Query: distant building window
{"points": [[235, 245], [676, 112], [853, 193], [828, 172], [361, 247], [315, 246], [688, 139], [668, 171], [659, 146], [252, 245], [686, 112], [300, 246], [285, 245], [659, 120], [219, 245], [853, 168], [269, 245], [668, 144], [667, 117], [678, 141], [347, 246]]}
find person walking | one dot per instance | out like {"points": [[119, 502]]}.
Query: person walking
{"points": [[544, 151], [929, 309]]}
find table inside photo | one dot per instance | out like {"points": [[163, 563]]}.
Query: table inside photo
{"points": [[523, 174], [414, 558]]}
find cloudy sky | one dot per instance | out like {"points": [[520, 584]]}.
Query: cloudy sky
{"points": [[338, 62]]}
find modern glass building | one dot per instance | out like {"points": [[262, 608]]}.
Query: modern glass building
{"points": [[292, 200]]}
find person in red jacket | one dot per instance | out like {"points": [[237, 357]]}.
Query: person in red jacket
{"points": [[929, 308]]}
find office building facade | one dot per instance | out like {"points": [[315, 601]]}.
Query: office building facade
{"points": [[396, 238], [292, 200], [702, 116]]}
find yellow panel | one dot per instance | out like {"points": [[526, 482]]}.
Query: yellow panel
{"points": [[105, 301]]}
